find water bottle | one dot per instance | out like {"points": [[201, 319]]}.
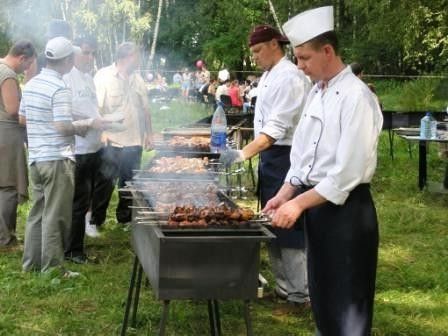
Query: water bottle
{"points": [[218, 130], [428, 127]]}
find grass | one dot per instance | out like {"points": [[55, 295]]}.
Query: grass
{"points": [[412, 282], [413, 95]]}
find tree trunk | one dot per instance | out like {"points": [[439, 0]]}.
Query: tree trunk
{"points": [[274, 14], [156, 33]]}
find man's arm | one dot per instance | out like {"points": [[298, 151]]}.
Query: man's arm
{"points": [[10, 96], [260, 143]]}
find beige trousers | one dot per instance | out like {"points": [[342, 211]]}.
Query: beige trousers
{"points": [[49, 221]]}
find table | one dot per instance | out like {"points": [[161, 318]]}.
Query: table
{"points": [[411, 135]]}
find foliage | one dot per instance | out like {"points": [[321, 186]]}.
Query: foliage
{"points": [[388, 37], [418, 94]]}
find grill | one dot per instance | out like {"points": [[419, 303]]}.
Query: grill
{"points": [[217, 262]]}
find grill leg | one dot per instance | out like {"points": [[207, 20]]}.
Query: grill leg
{"points": [[129, 299], [138, 285], [247, 318], [213, 315], [163, 320], [422, 174], [252, 175], [217, 316]]}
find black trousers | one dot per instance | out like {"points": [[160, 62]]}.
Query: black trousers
{"points": [[117, 166], [87, 176], [342, 247]]}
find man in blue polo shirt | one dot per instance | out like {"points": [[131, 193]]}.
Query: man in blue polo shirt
{"points": [[46, 109]]}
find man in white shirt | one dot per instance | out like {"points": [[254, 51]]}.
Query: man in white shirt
{"points": [[88, 149], [222, 89], [282, 91], [333, 159]]}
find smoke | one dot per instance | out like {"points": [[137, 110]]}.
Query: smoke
{"points": [[28, 19]]}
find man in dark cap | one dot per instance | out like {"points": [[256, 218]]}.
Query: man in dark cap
{"points": [[282, 91]]}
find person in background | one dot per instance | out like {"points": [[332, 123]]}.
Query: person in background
{"points": [[186, 83], [88, 149], [234, 93], [358, 71], [333, 159], [222, 89], [55, 28], [122, 96], [46, 109], [251, 94], [177, 79], [282, 91], [13, 170]]}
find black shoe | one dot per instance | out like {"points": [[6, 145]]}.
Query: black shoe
{"points": [[78, 259]]}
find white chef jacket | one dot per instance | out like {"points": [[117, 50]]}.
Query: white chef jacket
{"points": [[335, 143], [85, 106], [281, 97]]}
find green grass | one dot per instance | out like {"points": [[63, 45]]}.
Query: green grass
{"points": [[413, 95], [412, 281]]}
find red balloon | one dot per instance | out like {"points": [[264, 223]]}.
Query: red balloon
{"points": [[199, 64]]}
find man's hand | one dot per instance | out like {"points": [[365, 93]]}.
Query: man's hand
{"points": [[286, 215], [230, 156], [272, 205], [100, 124]]}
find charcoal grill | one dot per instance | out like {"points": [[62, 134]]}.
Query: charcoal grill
{"points": [[218, 263]]}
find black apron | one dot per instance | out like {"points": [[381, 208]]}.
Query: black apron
{"points": [[342, 249], [273, 167]]}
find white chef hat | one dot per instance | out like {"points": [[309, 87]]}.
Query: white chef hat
{"points": [[223, 75], [309, 24]]}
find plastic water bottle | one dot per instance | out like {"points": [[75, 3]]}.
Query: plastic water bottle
{"points": [[428, 127], [218, 130]]}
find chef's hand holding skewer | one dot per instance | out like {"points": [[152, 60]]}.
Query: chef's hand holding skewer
{"points": [[287, 211], [272, 208], [231, 156]]}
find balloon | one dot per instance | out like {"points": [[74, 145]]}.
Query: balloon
{"points": [[149, 76], [199, 64]]}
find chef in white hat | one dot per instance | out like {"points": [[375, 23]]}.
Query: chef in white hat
{"points": [[333, 159]]}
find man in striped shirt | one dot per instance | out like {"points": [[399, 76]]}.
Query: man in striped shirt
{"points": [[46, 109]]}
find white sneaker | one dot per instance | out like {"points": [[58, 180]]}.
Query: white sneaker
{"points": [[91, 230], [70, 274]]}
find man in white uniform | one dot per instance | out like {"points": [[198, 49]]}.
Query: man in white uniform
{"points": [[281, 97], [88, 149], [333, 159]]}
